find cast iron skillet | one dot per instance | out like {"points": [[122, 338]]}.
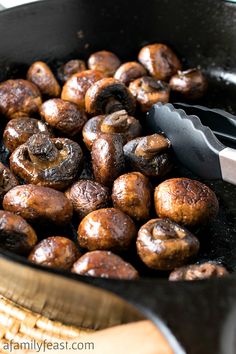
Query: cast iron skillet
{"points": [[202, 315]]}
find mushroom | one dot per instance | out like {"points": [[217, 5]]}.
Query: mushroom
{"points": [[66, 70], [104, 61], [77, 85], [41, 75], [106, 229], [16, 235], [131, 193], [87, 196], [159, 60], [19, 98], [129, 71], [64, 116], [56, 252], [104, 264], [191, 83], [149, 155], [7, 181], [108, 158], [186, 201], [47, 162], [109, 95], [38, 204], [19, 130], [164, 245], [148, 91], [205, 270], [115, 123]]}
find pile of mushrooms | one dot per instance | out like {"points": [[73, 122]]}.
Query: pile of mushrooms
{"points": [[78, 159]]}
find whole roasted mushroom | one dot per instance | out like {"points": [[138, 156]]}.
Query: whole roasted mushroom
{"points": [[19, 98], [108, 158], [191, 83], [159, 60], [131, 193], [129, 71], [164, 245], [198, 272], [19, 130], [56, 252], [87, 196], [149, 155], [186, 201], [106, 229], [148, 91], [115, 123], [64, 116], [73, 66], [109, 95], [47, 161], [104, 264], [41, 75], [7, 181], [78, 84], [39, 205], [16, 235], [104, 61]]}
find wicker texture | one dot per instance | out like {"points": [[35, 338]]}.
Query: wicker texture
{"points": [[21, 325]]}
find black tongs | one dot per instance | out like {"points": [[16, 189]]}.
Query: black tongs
{"points": [[193, 132]]}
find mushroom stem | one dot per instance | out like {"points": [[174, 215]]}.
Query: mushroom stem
{"points": [[116, 122], [151, 145], [113, 105], [2, 177], [41, 149]]}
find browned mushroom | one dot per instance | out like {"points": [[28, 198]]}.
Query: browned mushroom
{"points": [[104, 61], [47, 162], [149, 155], [73, 66], [164, 245], [64, 116], [148, 91], [19, 130], [198, 272], [130, 71], [186, 201], [109, 95], [41, 75], [106, 229], [39, 204], [77, 85], [132, 194], [115, 123], [16, 235], [19, 98], [159, 60], [191, 83], [108, 158], [7, 181], [55, 251], [104, 264], [87, 196]]}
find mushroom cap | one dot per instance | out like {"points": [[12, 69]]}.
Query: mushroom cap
{"points": [[7, 181], [19, 98], [104, 61], [159, 60], [55, 251], [106, 229], [53, 171], [198, 272], [100, 94], [71, 67], [129, 71], [39, 204], [16, 235], [186, 201], [164, 245], [104, 264]]}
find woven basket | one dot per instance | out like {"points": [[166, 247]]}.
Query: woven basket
{"points": [[20, 325]]}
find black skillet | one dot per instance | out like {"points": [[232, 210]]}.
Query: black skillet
{"points": [[202, 315]]}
